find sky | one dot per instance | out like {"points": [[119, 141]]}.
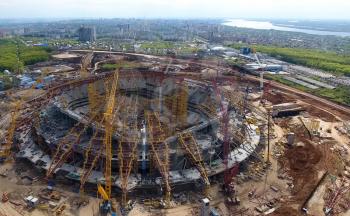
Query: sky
{"points": [[289, 9]]}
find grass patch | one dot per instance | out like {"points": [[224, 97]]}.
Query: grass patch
{"points": [[180, 48], [157, 45], [280, 79], [340, 94], [236, 62], [118, 65]]}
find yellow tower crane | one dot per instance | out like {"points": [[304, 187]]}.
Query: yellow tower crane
{"points": [[108, 123], [5, 150], [92, 93]]}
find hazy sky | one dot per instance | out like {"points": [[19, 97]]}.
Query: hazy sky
{"points": [[310, 9]]}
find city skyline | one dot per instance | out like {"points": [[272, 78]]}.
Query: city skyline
{"points": [[266, 9]]}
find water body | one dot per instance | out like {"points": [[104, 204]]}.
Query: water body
{"points": [[269, 26]]}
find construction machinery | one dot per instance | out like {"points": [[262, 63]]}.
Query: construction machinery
{"points": [[106, 205], [224, 130], [261, 71], [108, 124], [5, 150], [264, 87], [228, 185], [94, 149]]}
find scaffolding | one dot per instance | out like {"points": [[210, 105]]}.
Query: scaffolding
{"points": [[92, 92], [190, 145], [65, 146], [127, 150], [208, 108], [93, 151], [5, 150], [92, 154], [236, 99], [159, 150], [180, 105]]}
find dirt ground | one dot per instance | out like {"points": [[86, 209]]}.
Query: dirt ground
{"points": [[302, 163], [17, 190], [308, 160]]}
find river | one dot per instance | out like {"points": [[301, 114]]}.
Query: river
{"points": [[265, 25]]}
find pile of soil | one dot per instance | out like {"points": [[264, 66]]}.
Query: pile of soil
{"points": [[302, 162], [316, 112], [286, 211], [277, 98], [303, 158]]}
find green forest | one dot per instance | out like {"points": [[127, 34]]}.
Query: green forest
{"points": [[15, 55], [327, 61]]}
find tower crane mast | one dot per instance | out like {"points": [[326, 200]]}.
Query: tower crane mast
{"points": [[108, 123], [5, 150], [91, 89]]}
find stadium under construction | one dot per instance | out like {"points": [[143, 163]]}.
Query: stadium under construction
{"points": [[149, 130]]}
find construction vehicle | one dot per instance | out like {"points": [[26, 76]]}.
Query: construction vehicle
{"points": [[231, 194], [60, 210], [105, 206]]}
